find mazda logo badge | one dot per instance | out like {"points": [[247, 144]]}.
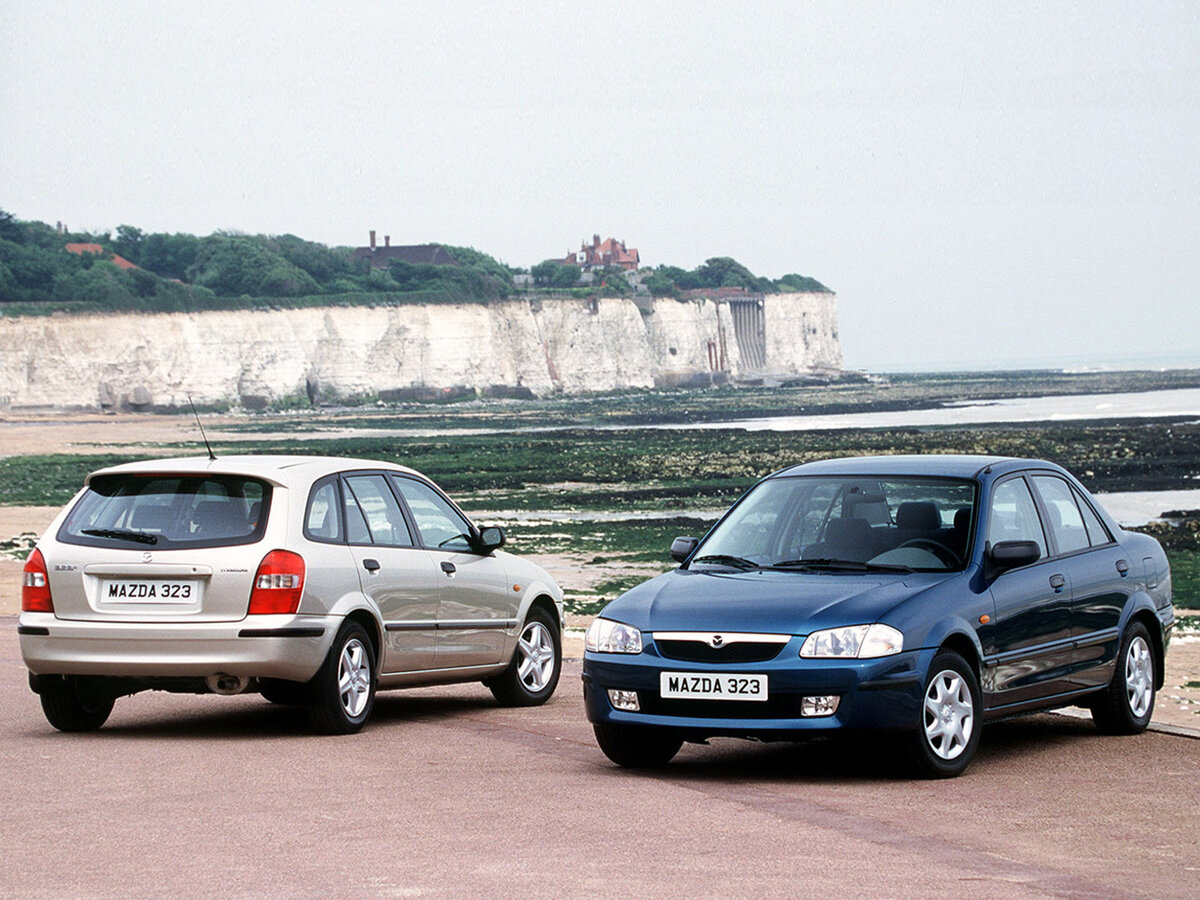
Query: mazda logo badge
{"points": [[716, 641], [146, 557]]}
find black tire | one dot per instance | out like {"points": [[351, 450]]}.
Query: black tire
{"points": [[72, 703], [637, 746], [285, 693], [342, 693], [1126, 705], [532, 675], [950, 720]]}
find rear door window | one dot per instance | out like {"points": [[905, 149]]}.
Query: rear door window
{"points": [[169, 511], [1097, 532], [372, 508]]}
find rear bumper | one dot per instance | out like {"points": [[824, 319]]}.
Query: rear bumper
{"points": [[287, 647]]}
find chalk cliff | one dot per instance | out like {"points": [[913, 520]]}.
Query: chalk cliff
{"points": [[520, 346]]}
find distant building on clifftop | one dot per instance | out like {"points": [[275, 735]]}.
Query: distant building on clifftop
{"points": [[96, 250], [417, 254], [603, 253]]}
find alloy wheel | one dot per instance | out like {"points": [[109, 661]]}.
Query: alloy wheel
{"points": [[535, 665], [1139, 677], [354, 677]]}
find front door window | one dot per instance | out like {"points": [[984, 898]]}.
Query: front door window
{"points": [[439, 524]]}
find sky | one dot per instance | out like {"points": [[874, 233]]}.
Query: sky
{"points": [[984, 185]]}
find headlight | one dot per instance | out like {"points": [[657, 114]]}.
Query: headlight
{"points": [[853, 642], [607, 636]]}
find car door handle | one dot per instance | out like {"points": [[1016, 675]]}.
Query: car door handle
{"points": [[448, 567], [1058, 583], [371, 565], [1122, 567]]}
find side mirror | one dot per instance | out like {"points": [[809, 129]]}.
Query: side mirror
{"points": [[1013, 555], [682, 547], [490, 538]]}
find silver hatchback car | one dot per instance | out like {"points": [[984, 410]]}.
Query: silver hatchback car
{"points": [[312, 580]]}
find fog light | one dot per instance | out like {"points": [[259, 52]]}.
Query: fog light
{"points": [[818, 706], [626, 700]]}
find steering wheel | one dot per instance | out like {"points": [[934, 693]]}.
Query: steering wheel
{"points": [[944, 554]]}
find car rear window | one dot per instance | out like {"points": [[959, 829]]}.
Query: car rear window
{"points": [[169, 511]]}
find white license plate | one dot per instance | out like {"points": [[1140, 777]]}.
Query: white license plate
{"points": [[691, 686], [147, 590]]}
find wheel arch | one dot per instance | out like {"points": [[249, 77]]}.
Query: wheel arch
{"points": [[369, 623], [956, 634], [545, 602], [964, 646]]}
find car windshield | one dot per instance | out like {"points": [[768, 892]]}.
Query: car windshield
{"points": [[169, 511], [829, 523]]}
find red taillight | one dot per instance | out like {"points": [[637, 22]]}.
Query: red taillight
{"points": [[35, 588], [278, 583]]}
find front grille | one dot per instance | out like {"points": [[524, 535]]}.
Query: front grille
{"points": [[734, 652], [784, 706]]}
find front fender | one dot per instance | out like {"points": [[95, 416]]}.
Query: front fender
{"points": [[540, 587], [955, 632]]}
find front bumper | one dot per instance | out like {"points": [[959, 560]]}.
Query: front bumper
{"points": [[284, 646], [873, 694]]}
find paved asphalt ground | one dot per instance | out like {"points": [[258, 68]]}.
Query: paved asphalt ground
{"points": [[446, 794]]}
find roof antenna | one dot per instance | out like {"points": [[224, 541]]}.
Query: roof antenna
{"points": [[211, 455]]}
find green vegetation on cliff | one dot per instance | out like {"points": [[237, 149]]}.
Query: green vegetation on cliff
{"points": [[136, 270]]}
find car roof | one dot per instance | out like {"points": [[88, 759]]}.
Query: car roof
{"points": [[281, 470], [930, 465]]}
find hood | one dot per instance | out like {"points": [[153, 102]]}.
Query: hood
{"points": [[763, 601]]}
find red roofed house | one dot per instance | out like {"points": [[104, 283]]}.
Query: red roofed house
{"points": [[609, 253], [119, 261]]}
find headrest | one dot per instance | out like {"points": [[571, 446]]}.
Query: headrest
{"points": [[150, 517], [918, 516], [847, 532]]}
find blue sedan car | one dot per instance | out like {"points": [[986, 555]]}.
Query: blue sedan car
{"points": [[917, 595]]}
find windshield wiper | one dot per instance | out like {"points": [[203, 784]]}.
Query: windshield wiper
{"points": [[722, 559], [840, 565], [139, 536]]}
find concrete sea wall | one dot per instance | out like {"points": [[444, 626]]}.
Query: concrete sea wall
{"points": [[519, 347]]}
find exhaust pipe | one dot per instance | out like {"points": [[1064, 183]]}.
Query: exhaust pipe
{"points": [[222, 683]]}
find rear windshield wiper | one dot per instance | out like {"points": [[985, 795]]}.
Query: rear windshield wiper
{"points": [[722, 559], [139, 536], [840, 565]]}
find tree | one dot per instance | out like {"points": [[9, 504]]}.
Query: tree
{"points": [[660, 285], [317, 260], [802, 283], [168, 255], [544, 271], [10, 228], [471, 258], [102, 284], [565, 276], [128, 243], [612, 280], [232, 265], [723, 271]]}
